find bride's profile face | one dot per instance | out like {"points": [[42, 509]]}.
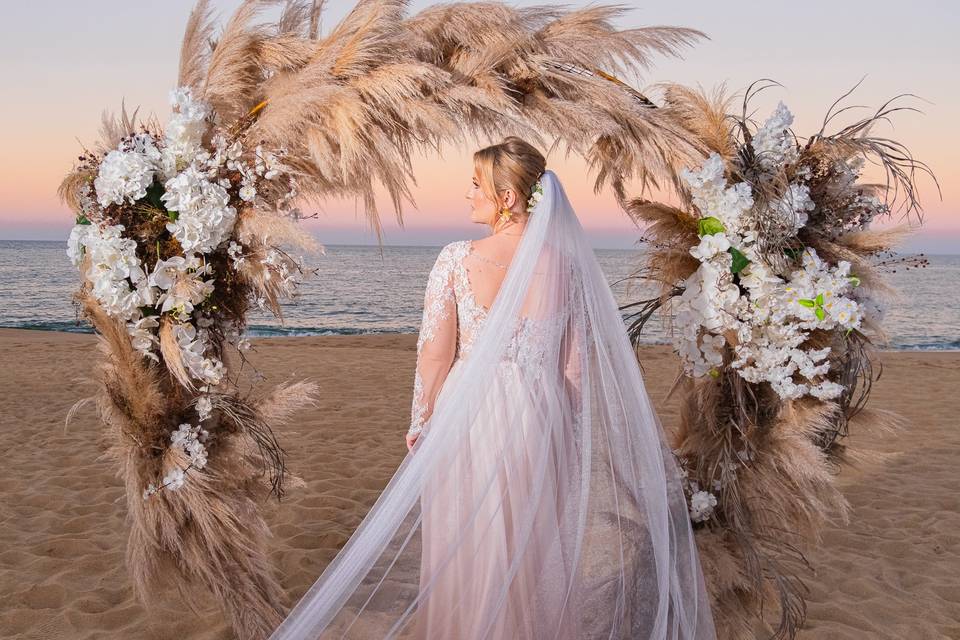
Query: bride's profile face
{"points": [[482, 209]]}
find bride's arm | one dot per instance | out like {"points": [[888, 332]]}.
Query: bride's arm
{"points": [[437, 344]]}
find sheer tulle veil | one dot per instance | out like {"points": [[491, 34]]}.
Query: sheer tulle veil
{"points": [[554, 505]]}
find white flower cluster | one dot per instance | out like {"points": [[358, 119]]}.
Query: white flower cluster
{"points": [[118, 282], [793, 206], [190, 438], [196, 179], [204, 215], [735, 297], [125, 174], [202, 218], [185, 130], [536, 195], [773, 144], [193, 347], [702, 504]]}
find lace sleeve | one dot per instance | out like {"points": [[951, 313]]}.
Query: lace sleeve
{"points": [[437, 344]]}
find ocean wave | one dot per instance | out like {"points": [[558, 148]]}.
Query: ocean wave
{"points": [[271, 331]]}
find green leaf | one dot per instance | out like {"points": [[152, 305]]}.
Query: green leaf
{"points": [[819, 299], [793, 253], [740, 261], [709, 226], [154, 192], [82, 219], [806, 302], [854, 280], [821, 314], [173, 215]]}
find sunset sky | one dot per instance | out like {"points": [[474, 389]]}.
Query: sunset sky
{"points": [[64, 62]]}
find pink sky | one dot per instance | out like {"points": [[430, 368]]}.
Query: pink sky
{"points": [[64, 76]]}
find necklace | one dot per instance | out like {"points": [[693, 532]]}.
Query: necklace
{"points": [[489, 261], [485, 259]]}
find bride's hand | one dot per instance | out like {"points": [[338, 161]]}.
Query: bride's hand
{"points": [[411, 439]]}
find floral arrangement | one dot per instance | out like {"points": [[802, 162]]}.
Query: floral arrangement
{"points": [[768, 307], [771, 278], [160, 245], [179, 232]]}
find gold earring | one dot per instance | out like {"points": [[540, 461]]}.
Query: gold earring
{"points": [[505, 214]]}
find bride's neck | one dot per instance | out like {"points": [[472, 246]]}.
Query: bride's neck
{"points": [[514, 230]]}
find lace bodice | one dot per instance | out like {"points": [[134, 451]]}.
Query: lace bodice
{"points": [[452, 319]]}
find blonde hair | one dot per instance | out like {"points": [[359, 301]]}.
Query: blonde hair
{"points": [[513, 164]]}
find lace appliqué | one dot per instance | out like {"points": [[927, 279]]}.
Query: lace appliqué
{"points": [[448, 282], [438, 299]]}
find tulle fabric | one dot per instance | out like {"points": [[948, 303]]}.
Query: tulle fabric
{"points": [[541, 500]]}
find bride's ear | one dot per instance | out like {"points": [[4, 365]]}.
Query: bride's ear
{"points": [[509, 198]]}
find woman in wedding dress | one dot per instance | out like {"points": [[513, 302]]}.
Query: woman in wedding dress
{"points": [[539, 498]]}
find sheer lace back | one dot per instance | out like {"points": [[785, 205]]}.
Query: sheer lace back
{"points": [[531, 338], [450, 300]]}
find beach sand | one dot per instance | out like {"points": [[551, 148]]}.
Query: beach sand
{"points": [[891, 573]]}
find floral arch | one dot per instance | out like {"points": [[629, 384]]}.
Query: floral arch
{"points": [[182, 227]]}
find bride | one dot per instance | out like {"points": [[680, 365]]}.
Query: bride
{"points": [[539, 498]]}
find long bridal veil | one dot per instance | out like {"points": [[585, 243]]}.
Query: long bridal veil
{"points": [[541, 500]]}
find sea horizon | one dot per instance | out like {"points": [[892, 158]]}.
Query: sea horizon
{"points": [[370, 289]]}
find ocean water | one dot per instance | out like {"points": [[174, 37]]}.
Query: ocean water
{"points": [[360, 289]]}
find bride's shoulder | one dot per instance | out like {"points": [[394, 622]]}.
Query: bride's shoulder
{"points": [[454, 250], [449, 257]]}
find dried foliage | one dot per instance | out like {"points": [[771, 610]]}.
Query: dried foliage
{"points": [[770, 461], [209, 533], [353, 106]]}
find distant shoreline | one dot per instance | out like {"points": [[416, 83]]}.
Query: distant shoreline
{"points": [[347, 333]]}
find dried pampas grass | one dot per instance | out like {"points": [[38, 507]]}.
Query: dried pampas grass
{"points": [[209, 533], [775, 460]]}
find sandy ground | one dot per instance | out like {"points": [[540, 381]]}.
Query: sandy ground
{"points": [[893, 572]]}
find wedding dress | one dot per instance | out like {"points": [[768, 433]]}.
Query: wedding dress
{"points": [[541, 499]]}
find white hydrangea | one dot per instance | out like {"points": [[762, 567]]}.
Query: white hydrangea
{"points": [[123, 177], [204, 215], [184, 132], [794, 206], [77, 241], [118, 281], [773, 144], [714, 198]]}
